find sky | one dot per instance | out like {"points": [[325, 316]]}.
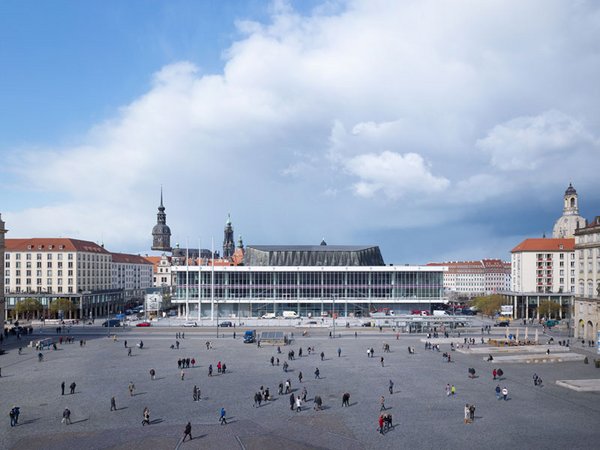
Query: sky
{"points": [[438, 130]]}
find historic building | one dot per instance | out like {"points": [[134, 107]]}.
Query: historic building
{"points": [[132, 274], [161, 277], [587, 302], [570, 220], [473, 278], [3, 231], [51, 268], [161, 233], [228, 242]]}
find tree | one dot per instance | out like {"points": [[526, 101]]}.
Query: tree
{"points": [[27, 307], [548, 308], [488, 304], [61, 304]]}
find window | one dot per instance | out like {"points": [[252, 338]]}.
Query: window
{"points": [[38, 265], [49, 256], [59, 256], [28, 256], [70, 256], [7, 264], [38, 256], [18, 256]]}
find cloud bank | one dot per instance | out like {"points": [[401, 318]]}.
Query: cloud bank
{"points": [[352, 122]]}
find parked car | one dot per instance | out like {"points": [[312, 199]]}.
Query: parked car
{"points": [[366, 324], [143, 324], [226, 324], [190, 324], [112, 323], [502, 324]]}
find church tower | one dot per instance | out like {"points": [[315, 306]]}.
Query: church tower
{"points": [[570, 220], [228, 242], [161, 233]]}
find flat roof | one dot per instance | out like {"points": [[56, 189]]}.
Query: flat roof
{"points": [[399, 268]]}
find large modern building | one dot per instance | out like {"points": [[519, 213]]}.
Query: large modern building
{"points": [[312, 281], [2, 305], [473, 278]]}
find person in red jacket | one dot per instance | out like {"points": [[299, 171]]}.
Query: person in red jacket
{"points": [[380, 423]]}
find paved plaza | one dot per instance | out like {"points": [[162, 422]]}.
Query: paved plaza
{"points": [[548, 417]]}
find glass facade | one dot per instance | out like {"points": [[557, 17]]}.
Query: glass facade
{"points": [[250, 291]]}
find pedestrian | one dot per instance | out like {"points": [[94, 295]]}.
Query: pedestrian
{"points": [[146, 416], [453, 390], [505, 393], [322, 356], [219, 367], [500, 373], [131, 388], [210, 370], [272, 361], [66, 416], [257, 400], [182, 375], [467, 414], [177, 344], [285, 366], [62, 388], [382, 402], [152, 374], [72, 387], [195, 393], [125, 343], [498, 391], [472, 413], [113, 404], [339, 352], [391, 387], [193, 362], [346, 399], [448, 390], [14, 416], [224, 368], [355, 335], [494, 373], [380, 423], [298, 404], [318, 402], [222, 418], [129, 351], [382, 361], [187, 432], [292, 401], [300, 376], [317, 373]]}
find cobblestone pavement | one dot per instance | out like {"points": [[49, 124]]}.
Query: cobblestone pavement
{"points": [[545, 417]]}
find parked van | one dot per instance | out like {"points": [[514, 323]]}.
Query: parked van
{"points": [[290, 315], [268, 316], [438, 313]]}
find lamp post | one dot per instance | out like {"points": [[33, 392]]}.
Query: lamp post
{"points": [[333, 314]]}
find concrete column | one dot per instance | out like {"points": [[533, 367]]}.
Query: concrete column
{"points": [[537, 310]]}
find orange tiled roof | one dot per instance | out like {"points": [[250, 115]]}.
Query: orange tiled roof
{"points": [[53, 245], [545, 245]]}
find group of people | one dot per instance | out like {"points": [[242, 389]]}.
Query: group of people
{"points": [[184, 363]]}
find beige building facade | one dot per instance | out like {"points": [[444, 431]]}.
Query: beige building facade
{"points": [[587, 318], [587, 302], [2, 305]]}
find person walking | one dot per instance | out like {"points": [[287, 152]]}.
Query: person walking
{"points": [[210, 370], [292, 401], [346, 399], [272, 361], [453, 390], [14, 415], [505, 393], [339, 352], [317, 373], [72, 387], [113, 404], [448, 390], [300, 376], [494, 373], [318, 402], [62, 388], [380, 423], [187, 432], [129, 351], [152, 374], [391, 387], [222, 418], [382, 402], [195, 393], [182, 375], [498, 391], [322, 356], [467, 414], [381, 361], [304, 394], [298, 404], [131, 388], [66, 416], [146, 416]]}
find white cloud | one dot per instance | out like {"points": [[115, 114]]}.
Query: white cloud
{"points": [[525, 143], [425, 89], [394, 174]]}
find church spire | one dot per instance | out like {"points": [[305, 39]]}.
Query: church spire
{"points": [[161, 233], [228, 239]]}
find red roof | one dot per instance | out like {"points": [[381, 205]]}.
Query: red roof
{"points": [[129, 259], [53, 245], [545, 245]]}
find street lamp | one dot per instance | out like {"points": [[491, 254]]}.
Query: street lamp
{"points": [[333, 313]]}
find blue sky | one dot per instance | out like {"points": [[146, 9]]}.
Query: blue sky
{"points": [[437, 130]]}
